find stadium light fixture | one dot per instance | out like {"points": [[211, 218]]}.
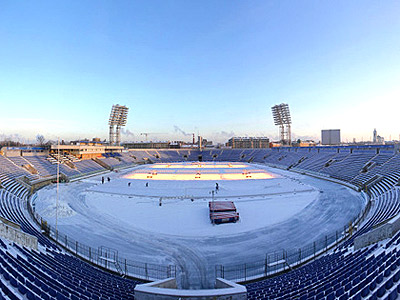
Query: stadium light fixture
{"points": [[282, 118], [118, 117]]}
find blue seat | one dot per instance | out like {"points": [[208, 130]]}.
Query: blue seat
{"points": [[373, 297], [44, 296], [339, 292], [30, 295], [357, 297], [319, 296], [381, 291], [6, 276], [14, 282], [347, 287], [387, 272], [372, 285], [60, 297], [354, 290], [389, 284], [52, 292], [393, 295], [22, 289], [396, 276], [331, 296], [344, 297], [365, 291]]}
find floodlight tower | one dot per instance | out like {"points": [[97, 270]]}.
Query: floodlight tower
{"points": [[282, 118], [118, 117]]}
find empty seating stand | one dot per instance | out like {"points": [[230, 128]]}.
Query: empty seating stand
{"points": [[369, 273]]}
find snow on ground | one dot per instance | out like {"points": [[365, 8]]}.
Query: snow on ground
{"points": [[287, 211], [184, 217]]}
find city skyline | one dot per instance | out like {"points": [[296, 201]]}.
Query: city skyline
{"points": [[209, 68]]}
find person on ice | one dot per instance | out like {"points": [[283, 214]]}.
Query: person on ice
{"points": [[147, 184], [129, 184], [216, 186], [108, 179], [102, 180]]}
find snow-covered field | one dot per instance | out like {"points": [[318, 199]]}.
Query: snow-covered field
{"points": [[284, 211]]}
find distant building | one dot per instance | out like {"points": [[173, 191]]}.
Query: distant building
{"points": [[248, 142], [176, 144], [275, 144], [307, 143], [330, 137], [377, 139], [86, 142], [206, 143], [83, 150], [149, 145]]}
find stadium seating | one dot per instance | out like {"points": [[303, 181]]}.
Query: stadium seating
{"points": [[343, 273], [54, 274]]}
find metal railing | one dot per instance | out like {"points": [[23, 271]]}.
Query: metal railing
{"points": [[104, 259], [273, 263], [279, 261], [284, 260]]}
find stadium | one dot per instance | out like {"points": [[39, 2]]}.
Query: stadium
{"points": [[354, 255], [201, 184]]}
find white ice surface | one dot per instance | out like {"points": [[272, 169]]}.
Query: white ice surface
{"points": [[285, 212]]}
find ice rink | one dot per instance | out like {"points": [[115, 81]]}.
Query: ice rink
{"points": [[280, 210]]}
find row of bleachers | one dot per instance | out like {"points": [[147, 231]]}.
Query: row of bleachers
{"points": [[316, 162], [169, 155], [46, 168], [114, 154], [127, 158], [369, 273], [50, 273], [344, 274], [383, 157], [390, 168], [12, 208], [383, 208], [88, 166], [13, 165], [43, 166], [7, 166], [10, 184], [348, 167], [112, 162], [356, 167], [53, 274]]}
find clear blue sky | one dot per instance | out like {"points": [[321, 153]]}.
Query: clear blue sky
{"points": [[213, 67]]}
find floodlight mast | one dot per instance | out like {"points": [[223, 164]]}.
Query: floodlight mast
{"points": [[281, 115], [118, 117]]}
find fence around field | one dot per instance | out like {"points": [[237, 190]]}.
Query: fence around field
{"points": [[281, 261], [273, 263], [104, 257]]}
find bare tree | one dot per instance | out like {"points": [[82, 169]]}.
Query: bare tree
{"points": [[40, 139]]}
